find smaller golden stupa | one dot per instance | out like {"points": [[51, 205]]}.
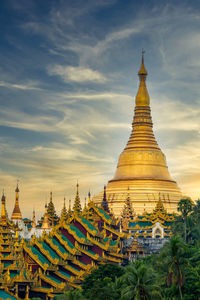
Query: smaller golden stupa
{"points": [[16, 215], [142, 169]]}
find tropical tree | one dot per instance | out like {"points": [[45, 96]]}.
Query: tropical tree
{"points": [[140, 282], [172, 262], [98, 285], [185, 206], [71, 295]]}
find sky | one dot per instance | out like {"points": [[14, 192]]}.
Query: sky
{"points": [[68, 80]]}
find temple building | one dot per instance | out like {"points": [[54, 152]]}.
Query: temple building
{"points": [[142, 171]]}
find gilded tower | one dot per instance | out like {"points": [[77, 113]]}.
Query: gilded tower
{"points": [[142, 169], [16, 215]]}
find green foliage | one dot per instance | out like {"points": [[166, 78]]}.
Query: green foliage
{"points": [[71, 295], [140, 282], [99, 283]]}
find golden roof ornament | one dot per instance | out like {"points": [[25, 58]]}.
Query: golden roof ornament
{"points": [[77, 204], [3, 209], [16, 215], [34, 220], [45, 223]]}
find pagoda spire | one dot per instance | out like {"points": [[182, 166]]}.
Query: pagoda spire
{"points": [[64, 212], [16, 215], [34, 220], [77, 203], [127, 212], [3, 210], [45, 223], [53, 218], [104, 203], [69, 213]]}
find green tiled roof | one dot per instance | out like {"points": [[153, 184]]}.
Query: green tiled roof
{"points": [[168, 223], [61, 248], [104, 213], [66, 240], [140, 224], [41, 257], [6, 264], [90, 226], [13, 274], [6, 296], [51, 252], [54, 279], [77, 231], [113, 243], [91, 252], [64, 273], [105, 239]]}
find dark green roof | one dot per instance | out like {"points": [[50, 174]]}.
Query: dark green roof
{"points": [[90, 226], [104, 213], [6, 296], [40, 256], [77, 231], [52, 253], [140, 224], [66, 240], [60, 247], [64, 273]]}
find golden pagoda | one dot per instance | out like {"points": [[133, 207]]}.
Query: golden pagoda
{"points": [[142, 165], [16, 215]]}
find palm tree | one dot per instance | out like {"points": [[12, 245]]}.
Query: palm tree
{"points": [[140, 283], [173, 261], [185, 206]]}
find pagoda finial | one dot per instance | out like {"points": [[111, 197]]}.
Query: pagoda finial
{"points": [[142, 97], [104, 203], [142, 70], [3, 209], [85, 206], [77, 204], [16, 215], [45, 223], [34, 221], [89, 197], [64, 212], [51, 196]]}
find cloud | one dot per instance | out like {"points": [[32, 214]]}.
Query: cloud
{"points": [[18, 86], [77, 74]]}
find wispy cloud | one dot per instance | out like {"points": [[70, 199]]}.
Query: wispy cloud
{"points": [[77, 74], [18, 86]]}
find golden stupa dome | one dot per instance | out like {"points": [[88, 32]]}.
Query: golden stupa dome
{"points": [[142, 166]]}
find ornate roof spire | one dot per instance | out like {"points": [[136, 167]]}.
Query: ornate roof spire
{"points": [[89, 197], [77, 204], [34, 221], [45, 223], [104, 203], [53, 218], [3, 209], [69, 213], [142, 97], [142, 70], [16, 215], [64, 212]]}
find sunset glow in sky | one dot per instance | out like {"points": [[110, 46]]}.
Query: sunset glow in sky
{"points": [[68, 80]]}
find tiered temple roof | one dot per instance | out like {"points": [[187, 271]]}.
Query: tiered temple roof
{"points": [[74, 248]]}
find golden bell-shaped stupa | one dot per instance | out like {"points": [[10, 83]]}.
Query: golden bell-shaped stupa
{"points": [[142, 169]]}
